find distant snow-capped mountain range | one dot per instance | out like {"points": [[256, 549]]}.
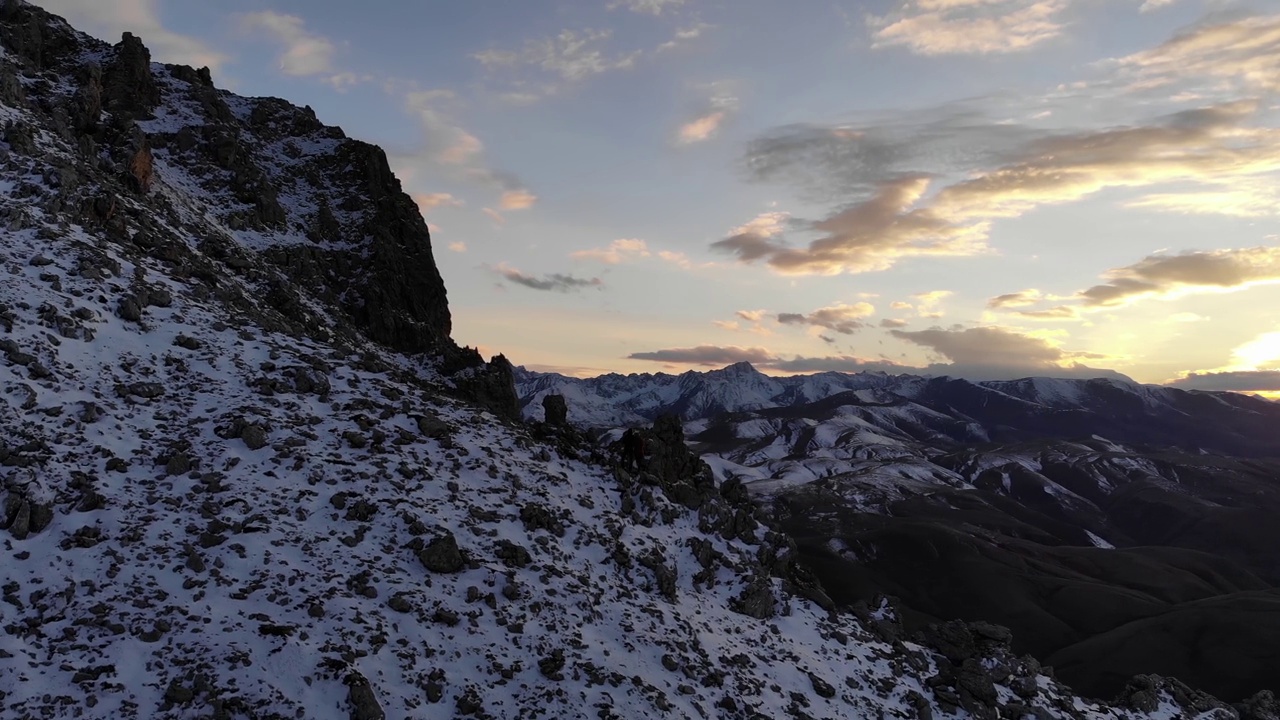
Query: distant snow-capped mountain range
{"points": [[944, 409]]}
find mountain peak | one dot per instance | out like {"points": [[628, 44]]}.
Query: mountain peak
{"points": [[739, 369]]}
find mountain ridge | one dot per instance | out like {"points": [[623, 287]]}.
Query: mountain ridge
{"points": [[1037, 406]]}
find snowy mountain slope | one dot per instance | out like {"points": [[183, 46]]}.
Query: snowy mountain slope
{"points": [[899, 499], [226, 495]]}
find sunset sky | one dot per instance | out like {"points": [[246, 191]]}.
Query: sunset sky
{"points": [[984, 188]]}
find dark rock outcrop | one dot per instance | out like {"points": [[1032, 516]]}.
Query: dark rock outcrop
{"points": [[491, 385], [442, 555], [128, 87], [363, 701], [555, 410]]}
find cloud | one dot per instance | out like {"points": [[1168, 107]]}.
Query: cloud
{"points": [[1222, 145], [650, 7], [844, 319], [684, 36], [1254, 367], [446, 143], [974, 372], [893, 323], [1022, 298], [1242, 54], [1260, 352], [494, 215], [1240, 199], [752, 315], [762, 358], [517, 200], [707, 355], [462, 149], [986, 346], [449, 153], [458, 247], [701, 128], [705, 126], [981, 27], [832, 163], [678, 259], [1212, 145], [108, 19], [928, 304], [618, 252], [1165, 276], [1232, 381], [569, 56], [305, 53], [870, 235], [726, 325], [838, 363], [430, 201], [1017, 302], [1058, 312], [554, 282]]}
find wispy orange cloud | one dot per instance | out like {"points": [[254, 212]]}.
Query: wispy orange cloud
{"points": [[517, 200], [618, 252]]}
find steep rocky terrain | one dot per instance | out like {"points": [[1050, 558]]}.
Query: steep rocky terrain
{"points": [[1149, 550], [246, 474]]}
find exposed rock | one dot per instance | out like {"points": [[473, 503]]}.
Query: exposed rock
{"points": [[129, 309], [513, 555], [1262, 706], [254, 436], [555, 410], [363, 701], [552, 665], [86, 107], [953, 639], [141, 165], [822, 687], [442, 555], [756, 600], [28, 506], [127, 84], [491, 384]]}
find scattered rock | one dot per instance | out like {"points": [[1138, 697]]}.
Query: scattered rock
{"points": [[442, 555], [363, 701], [254, 436]]}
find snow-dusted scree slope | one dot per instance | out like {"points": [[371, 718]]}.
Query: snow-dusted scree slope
{"points": [[223, 500]]}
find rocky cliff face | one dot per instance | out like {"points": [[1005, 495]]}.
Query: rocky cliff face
{"points": [[163, 161]]}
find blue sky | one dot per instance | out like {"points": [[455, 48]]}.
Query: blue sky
{"points": [[989, 188]]}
